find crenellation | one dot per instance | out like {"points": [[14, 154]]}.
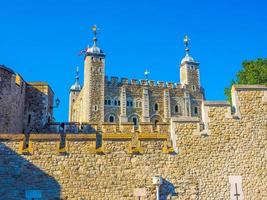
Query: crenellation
{"points": [[161, 84], [134, 82], [170, 85], [124, 81], [114, 80]]}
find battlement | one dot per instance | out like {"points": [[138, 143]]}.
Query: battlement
{"points": [[250, 102], [116, 81], [184, 153]]}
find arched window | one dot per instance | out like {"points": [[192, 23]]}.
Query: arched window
{"points": [[119, 102], [193, 87], [115, 102], [176, 109], [106, 102], [156, 123], [109, 102], [128, 103], [156, 107], [131, 104], [111, 119], [135, 121]]}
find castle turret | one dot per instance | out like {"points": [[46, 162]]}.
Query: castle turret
{"points": [[74, 92], [93, 89], [189, 69]]}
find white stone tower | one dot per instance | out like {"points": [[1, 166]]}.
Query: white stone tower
{"points": [[93, 89], [74, 92], [189, 70]]}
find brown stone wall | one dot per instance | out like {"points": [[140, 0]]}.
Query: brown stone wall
{"points": [[38, 108], [200, 170], [12, 101]]}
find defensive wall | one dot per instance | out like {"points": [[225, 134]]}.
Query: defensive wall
{"points": [[222, 157]]}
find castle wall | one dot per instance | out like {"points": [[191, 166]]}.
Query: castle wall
{"points": [[38, 107], [12, 101], [228, 145]]}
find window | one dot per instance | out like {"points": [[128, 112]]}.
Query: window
{"points": [[106, 102], [131, 104], [111, 118], [128, 104], [119, 102], [109, 102], [192, 67], [95, 107], [176, 109], [156, 123], [195, 110], [135, 121], [193, 88], [156, 107], [115, 102], [29, 118]]}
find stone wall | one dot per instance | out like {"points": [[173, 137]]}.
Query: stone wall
{"points": [[38, 107], [12, 101], [24, 106], [195, 159]]}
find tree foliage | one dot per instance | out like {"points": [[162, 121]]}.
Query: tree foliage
{"points": [[253, 72]]}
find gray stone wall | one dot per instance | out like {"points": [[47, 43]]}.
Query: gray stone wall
{"points": [[19, 99], [38, 107], [12, 101]]}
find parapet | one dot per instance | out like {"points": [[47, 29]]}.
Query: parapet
{"points": [[142, 82]]}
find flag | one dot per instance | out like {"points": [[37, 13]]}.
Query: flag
{"points": [[81, 52]]}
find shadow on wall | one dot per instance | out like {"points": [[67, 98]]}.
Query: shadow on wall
{"points": [[20, 179]]}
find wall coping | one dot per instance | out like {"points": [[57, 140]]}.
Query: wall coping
{"points": [[249, 87], [185, 119], [12, 137], [217, 103], [44, 137]]}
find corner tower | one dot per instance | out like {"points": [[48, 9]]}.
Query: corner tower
{"points": [[189, 69], [93, 89]]}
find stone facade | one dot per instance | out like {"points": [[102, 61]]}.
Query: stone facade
{"points": [[222, 156], [115, 100], [24, 107]]}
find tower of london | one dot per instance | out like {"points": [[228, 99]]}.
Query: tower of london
{"points": [[131, 139], [102, 99]]}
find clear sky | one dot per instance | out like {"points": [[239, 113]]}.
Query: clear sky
{"points": [[41, 39]]}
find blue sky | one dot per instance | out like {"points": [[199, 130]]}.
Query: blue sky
{"points": [[41, 39]]}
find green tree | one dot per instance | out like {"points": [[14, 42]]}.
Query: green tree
{"points": [[253, 72]]}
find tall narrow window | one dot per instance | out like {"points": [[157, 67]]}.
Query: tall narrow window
{"points": [[156, 123], [156, 107], [109, 102], [111, 119], [195, 110], [135, 121], [115, 102], [29, 118], [176, 109], [119, 102]]}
